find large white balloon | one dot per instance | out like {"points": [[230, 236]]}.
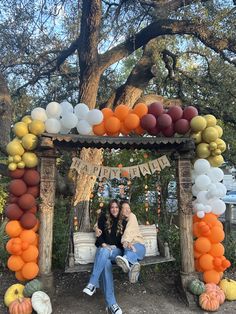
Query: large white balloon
{"points": [[83, 127], [218, 206], [202, 182], [39, 114], [201, 166], [221, 189], [66, 107], [81, 110], [212, 191], [94, 116], [69, 120], [53, 109], [215, 174], [195, 190], [52, 125], [207, 209], [202, 197]]}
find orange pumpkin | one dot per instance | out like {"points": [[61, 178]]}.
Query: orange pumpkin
{"points": [[209, 302], [218, 294], [21, 306]]}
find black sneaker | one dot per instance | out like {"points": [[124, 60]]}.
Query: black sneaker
{"points": [[114, 309], [89, 289]]}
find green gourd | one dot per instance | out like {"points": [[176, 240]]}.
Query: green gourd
{"points": [[196, 286], [31, 287]]}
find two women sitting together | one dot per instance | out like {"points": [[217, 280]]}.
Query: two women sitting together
{"points": [[118, 241]]}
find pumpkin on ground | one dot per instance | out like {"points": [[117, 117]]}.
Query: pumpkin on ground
{"points": [[219, 293], [21, 306], [196, 286], [209, 302], [32, 286], [41, 303], [229, 288], [13, 292]]}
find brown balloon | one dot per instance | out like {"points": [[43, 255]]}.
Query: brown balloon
{"points": [[17, 187], [26, 201], [13, 212], [28, 221], [31, 177]]}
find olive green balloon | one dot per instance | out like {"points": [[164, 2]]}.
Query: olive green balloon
{"points": [[210, 134], [210, 119], [213, 145], [198, 124], [221, 144], [203, 150], [197, 137]]}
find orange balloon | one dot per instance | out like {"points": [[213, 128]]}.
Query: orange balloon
{"points": [[139, 130], [140, 109], [217, 235], [209, 218], [196, 254], [211, 276], [217, 262], [196, 231], [19, 276], [107, 113], [30, 254], [28, 236], [226, 264], [13, 228], [217, 249], [217, 223], [36, 242], [30, 270], [206, 262], [112, 125], [121, 112], [195, 218], [15, 263], [99, 129], [113, 134], [197, 266], [123, 129], [202, 245], [132, 121]]}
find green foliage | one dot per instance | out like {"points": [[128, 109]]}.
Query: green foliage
{"points": [[3, 197], [61, 232], [3, 240], [230, 248]]}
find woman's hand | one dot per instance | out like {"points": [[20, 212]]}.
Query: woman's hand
{"points": [[98, 232]]}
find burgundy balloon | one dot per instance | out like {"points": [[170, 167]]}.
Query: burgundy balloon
{"points": [[33, 190], [168, 132], [156, 108], [164, 121], [148, 121], [182, 126], [175, 112], [154, 131], [17, 187], [12, 198], [31, 177], [28, 220], [190, 112], [16, 174], [33, 210], [26, 201], [13, 212]]}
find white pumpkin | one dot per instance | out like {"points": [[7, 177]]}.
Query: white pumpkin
{"points": [[41, 303]]}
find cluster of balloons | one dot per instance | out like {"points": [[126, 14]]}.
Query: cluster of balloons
{"points": [[208, 251], [207, 135], [23, 224], [207, 188]]}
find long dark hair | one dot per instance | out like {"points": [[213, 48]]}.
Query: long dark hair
{"points": [[110, 218]]}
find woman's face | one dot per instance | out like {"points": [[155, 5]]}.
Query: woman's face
{"points": [[114, 209], [125, 210]]}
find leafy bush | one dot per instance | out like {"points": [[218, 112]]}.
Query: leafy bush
{"points": [[230, 249], [3, 240]]}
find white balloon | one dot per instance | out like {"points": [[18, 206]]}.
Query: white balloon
{"points": [[66, 107], [215, 174], [200, 214], [212, 191], [193, 176], [207, 209], [221, 189], [199, 206], [201, 166], [195, 190], [202, 182], [83, 127], [53, 109], [94, 116], [39, 114], [218, 207], [202, 197], [69, 120], [81, 110], [52, 125]]}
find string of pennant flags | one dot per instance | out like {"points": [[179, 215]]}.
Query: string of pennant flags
{"points": [[150, 167]]}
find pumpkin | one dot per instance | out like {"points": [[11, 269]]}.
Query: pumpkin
{"points": [[209, 302], [229, 288], [41, 303], [13, 292], [21, 306], [31, 287], [196, 286], [213, 288]]}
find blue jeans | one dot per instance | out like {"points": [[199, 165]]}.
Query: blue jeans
{"points": [[134, 257], [102, 271]]}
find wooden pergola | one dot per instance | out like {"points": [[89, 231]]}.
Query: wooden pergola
{"points": [[182, 151]]}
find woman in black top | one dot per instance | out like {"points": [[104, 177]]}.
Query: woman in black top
{"points": [[109, 246]]}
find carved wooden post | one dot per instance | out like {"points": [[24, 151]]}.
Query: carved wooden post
{"points": [[47, 195]]}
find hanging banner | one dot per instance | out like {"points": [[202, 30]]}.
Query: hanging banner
{"points": [[116, 173]]}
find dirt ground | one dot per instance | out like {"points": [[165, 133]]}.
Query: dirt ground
{"points": [[154, 293]]}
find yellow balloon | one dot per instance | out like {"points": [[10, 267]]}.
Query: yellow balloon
{"points": [[219, 130], [210, 134], [29, 141], [216, 161], [21, 165], [217, 151], [12, 166], [30, 159], [203, 150], [36, 127], [15, 148], [210, 119], [10, 159], [20, 129], [197, 137], [27, 119], [221, 144], [17, 158], [198, 123], [213, 145]]}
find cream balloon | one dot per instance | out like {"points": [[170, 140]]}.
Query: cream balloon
{"points": [[39, 114], [53, 110]]}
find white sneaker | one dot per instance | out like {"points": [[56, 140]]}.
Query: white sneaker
{"points": [[123, 263], [115, 309], [89, 289], [134, 272]]}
